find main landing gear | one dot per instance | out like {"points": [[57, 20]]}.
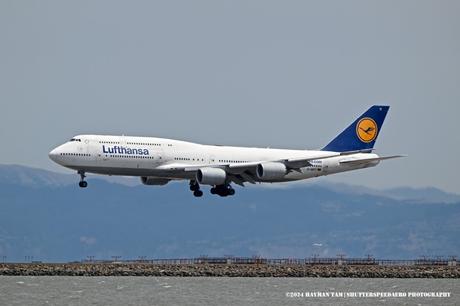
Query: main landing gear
{"points": [[195, 187], [223, 190], [82, 183]]}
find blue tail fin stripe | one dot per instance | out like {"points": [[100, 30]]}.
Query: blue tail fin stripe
{"points": [[362, 133]]}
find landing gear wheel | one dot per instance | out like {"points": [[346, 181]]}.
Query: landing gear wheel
{"points": [[195, 187], [198, 193], [83, 184], [223, 190]]}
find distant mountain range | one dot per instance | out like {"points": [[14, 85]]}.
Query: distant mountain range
{"points": [[45, 215]]}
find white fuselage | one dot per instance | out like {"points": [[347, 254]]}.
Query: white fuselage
{"points": [[158, 157]]}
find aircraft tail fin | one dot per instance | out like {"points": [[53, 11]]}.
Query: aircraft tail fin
{"points": [[362, 133]]}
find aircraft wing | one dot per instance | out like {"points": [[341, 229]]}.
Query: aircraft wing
{"points": [[291, 163], [241, 167], [240, 173]]}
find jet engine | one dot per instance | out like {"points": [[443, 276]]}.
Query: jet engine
{"points": [[271, 171], [149, 180], [211, 176]]}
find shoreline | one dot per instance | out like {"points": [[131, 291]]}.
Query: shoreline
{"points": [[227, 270]]}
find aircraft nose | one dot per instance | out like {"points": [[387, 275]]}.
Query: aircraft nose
{"points": [[53, 154]]}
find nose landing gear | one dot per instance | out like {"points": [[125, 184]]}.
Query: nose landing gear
{"points": [[82, 183]]}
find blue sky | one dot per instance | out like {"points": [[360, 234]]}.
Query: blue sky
{"points": [[287, 74]]}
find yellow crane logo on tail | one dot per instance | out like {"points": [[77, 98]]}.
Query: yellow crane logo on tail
{"points": [[366, 129]]}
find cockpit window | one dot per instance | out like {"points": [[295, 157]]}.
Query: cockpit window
{"points": [[75, 139]]}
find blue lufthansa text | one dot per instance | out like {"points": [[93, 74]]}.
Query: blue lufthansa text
{"points": [[124, 150]]}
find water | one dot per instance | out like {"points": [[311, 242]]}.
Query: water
{"points": [[63, 290]]}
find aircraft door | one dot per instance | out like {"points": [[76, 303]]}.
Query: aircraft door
{"points": [[82, 146], [211, 159], [157, 156], [153, 160]]}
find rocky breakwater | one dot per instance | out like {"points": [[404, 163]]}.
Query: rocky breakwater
{"points": [[228, 270]]}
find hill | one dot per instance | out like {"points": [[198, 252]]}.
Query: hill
{"points": [[45, 215]]}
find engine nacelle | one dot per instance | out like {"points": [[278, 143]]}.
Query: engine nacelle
{"points": [[271, 171], [211, 176], [148, 180]]}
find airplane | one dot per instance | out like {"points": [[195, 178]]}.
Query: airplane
{"points": [[158, 161]]}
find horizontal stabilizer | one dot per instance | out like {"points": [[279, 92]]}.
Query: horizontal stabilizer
{"points": [[369, 160]]}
